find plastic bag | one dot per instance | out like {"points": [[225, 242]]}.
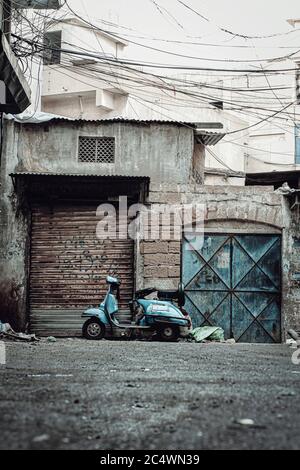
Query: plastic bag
{"points": [[211, 333]]}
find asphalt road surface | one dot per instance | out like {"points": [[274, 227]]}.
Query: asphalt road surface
{"points": [[76, 394]]}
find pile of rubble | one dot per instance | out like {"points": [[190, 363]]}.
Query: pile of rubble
{"points": [[6, 332]]}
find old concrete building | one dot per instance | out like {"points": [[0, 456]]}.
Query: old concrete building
{"points": [[66, 93], [243, 276]]}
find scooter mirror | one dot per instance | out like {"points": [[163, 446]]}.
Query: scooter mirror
{"points": [[181, 295]]}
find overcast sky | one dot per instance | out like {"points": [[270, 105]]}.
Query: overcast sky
{"points": [[176, 22]]}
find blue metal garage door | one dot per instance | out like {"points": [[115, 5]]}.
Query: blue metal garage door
{"points": [[234, 281]]}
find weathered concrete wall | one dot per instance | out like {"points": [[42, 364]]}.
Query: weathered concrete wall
{"points": [[14, 239], [162, 152], [291, 267]]}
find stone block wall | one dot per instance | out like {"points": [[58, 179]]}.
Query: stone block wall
{"points": [[291, 268], [161, 260], [250, 205]]}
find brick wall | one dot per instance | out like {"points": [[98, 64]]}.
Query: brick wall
{"points": [[161, 263]]}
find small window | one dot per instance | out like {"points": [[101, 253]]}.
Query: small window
{"points": [[52, 44], [96, 150]]}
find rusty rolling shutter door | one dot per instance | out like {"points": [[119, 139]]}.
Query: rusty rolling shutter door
{"points": [[69, 266]]}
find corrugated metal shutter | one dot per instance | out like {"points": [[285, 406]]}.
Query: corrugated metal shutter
{"points": [[69, 266]]}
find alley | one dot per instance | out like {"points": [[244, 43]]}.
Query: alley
{"points": [[75, 394]]}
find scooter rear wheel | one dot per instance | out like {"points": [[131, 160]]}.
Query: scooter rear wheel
{"points": [[168, 333], [93, 329]]}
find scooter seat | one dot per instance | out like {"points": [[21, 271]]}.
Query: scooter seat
{"points": [[167, 294]]}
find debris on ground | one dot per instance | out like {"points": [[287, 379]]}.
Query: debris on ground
{"points": [[245, 422], [294, 341], [6, 332], [291, 342], [41, 438], [287, 393], [230, 341], [49, 375], [51, 339], [210, 333]]}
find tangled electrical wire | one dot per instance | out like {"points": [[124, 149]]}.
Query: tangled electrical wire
{"points": [[152, 88]]}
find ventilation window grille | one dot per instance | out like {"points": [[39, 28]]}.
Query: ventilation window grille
{"points": [[96, 150]]}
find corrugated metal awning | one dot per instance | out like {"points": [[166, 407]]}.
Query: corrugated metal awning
{"points": [[28, 174], [125, 120], [208, 138], [42, 117]]}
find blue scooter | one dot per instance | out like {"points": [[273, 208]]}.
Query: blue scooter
{"points": [[161, 317]]}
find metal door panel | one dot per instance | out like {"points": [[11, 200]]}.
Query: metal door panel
{"points": [[256, 245], [270, 264], [210, 245], [221, 316], [241, 317], [235, 284], [256, 280], [256, 334], [192, 265], [207, 279], [242, 262], [220, 263]]}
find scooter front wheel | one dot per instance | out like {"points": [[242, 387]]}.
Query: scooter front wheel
{"points": [[168, 333], [93, 329]]}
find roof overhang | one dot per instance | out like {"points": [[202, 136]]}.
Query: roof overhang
{"points": [[274, 178], [208, 138], [17, 89], [32, 174]]}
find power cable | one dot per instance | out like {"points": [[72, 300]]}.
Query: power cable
{"points": [[227, 31]]}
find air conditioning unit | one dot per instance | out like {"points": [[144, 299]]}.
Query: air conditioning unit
{"points": [[37, 4]]}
